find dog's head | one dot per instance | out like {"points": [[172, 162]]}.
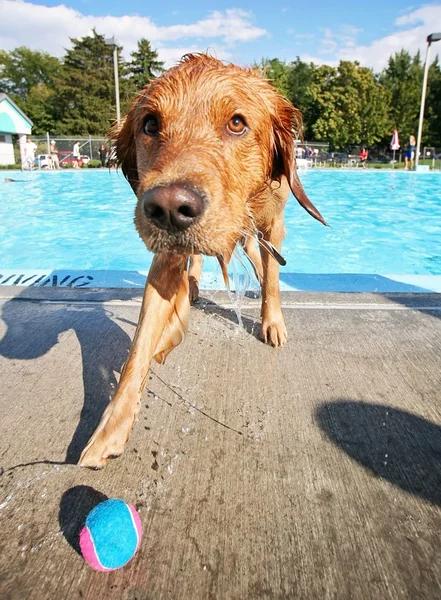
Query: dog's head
{"points": [[197, 146]]}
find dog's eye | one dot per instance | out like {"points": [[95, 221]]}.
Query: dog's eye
{"points": [[236, 125], [151, 125]]}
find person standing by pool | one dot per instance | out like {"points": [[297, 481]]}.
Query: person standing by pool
{"points": [[409, 157], [29, 153], [76, 155], [54, 155], [103, 155]]}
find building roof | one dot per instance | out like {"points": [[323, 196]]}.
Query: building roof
{"points": [[12, 118]]}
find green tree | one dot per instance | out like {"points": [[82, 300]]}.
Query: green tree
{"points": [[276, 71], [403, 78], [299, 79], [29, 77], [432, 119], [42, 108], [352, 105], [145, 65], [329, 125], [23, 69], [293, 81], [86, 90], [373, 107]]}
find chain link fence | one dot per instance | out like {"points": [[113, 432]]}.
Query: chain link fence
{"points": [[318, 154], [308, 154], [88, 149]]}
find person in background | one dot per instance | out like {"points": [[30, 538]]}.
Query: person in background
{"points": [[30, 149], [103, 155], [76, 155], [409, 157], [363, 156], [54, 155]]}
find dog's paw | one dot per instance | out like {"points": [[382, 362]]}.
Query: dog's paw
{"points": [[274, 332], [109, 439]]}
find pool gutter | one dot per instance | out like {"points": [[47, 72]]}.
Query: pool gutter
{"points": [[289, 282]]}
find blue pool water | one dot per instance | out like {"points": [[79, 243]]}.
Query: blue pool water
{"points": [[381, 223]]}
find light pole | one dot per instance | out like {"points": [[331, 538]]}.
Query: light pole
{"points": [[433, 37], [112, 42]]}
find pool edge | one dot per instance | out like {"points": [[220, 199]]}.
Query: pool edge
{"points": [[289, 282]]}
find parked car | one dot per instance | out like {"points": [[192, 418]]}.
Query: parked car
{"points": [[43, 161], [65, 157]]}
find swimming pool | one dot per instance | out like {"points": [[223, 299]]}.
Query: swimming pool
{"points": [[385, 225]]}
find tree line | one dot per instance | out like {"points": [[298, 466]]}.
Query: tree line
{"points": [[350, 105], [345, 106], [75, 95]]}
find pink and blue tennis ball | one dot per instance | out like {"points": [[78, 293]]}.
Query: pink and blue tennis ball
{"points": [[111, 535]]}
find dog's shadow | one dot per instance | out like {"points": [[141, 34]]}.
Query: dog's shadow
{"points": [[250, 326], [34, 329]]}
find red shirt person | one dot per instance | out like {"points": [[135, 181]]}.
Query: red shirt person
{"points": [[363, 157]]}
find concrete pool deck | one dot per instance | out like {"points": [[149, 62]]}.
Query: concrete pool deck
{"points": [[312, 471]]}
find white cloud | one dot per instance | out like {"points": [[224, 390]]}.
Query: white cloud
{"points": [[220, 32], [411, 32], [334, 42], [406, 9], [317, 60], [49, 28], [429, 15], [350, 30]]}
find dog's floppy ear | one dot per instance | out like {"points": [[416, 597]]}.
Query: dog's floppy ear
{"points": [[124, 136], [286, 120]]}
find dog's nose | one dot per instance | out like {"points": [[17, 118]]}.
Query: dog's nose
{"points": [[173, 206]]}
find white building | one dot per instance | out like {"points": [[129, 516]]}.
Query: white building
{"points": [[13, 121]]}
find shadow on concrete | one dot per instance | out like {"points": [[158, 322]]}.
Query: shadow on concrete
{"points": [[250, 325], [75, 505], [35, 319], [393, 444], [32, 333]]}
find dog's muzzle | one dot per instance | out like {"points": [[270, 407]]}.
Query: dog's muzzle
{"points": [[173, 207]]}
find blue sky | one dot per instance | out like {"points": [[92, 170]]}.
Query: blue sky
{"points": [[238, 30]]}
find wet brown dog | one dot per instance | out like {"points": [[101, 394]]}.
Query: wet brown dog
{"points": [[208, 149]]}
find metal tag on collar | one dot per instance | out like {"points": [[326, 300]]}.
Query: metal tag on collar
{"points": [[274, 253]]}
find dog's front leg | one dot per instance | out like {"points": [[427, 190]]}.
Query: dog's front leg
{"points": [[167, 283], [252, 252], [273, 324]]}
